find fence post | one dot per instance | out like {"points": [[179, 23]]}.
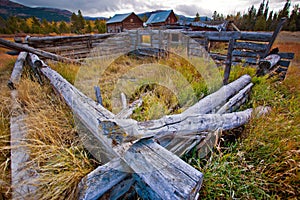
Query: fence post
{"points": [[228, 61]]}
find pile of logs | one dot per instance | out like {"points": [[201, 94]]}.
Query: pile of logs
{"points": [[142, 157]]}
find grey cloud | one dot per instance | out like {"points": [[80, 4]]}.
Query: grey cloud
{"points": [[191, 10], [91, 7]]}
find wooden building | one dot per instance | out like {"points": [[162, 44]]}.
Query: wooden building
{"points": [[161, 18], [120, 22]]}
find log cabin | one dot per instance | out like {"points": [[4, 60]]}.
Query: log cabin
{"points": [[120, 22], [161, 18]]}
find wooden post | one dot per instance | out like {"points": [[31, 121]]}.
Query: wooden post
{"points": [[98, 95], [275, 33], [228, 61]]}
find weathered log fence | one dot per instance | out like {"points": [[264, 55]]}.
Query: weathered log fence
{"points": [[142, 157]]}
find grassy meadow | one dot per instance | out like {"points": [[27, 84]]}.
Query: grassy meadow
{"points": [[258, 161]]}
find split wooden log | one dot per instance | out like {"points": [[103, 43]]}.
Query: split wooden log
{"points": [[126, 130], [45, 54], [17, 71], [92, 114]]}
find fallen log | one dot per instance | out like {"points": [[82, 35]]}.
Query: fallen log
{"points": [[127, 130], [20, 175], [45, 54]]}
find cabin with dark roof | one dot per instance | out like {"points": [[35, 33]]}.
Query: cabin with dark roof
{"points": [[161, 18], [120, 22]]}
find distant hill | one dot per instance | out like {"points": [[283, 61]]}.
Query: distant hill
{"points": [[9, 8]]}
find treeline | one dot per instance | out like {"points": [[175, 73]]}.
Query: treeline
{"points": [[262, 19], [78, 24]]}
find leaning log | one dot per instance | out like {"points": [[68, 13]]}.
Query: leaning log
{"points": [[212, 102], [45, 54]]}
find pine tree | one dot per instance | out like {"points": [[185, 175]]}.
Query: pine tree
{"points": [[197, 18], [63, 28]]}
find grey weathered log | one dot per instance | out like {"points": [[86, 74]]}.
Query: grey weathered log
{"points": [[126, 130], [212, 102], [250, 46], [236, 100], [21, 47], [17, 71], [20, 174], [103, 179], [166, 175]]}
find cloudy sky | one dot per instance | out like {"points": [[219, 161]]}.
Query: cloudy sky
{"points": [[107, 8]]}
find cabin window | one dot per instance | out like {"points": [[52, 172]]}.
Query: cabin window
{"points": [[175, 37], [146, 39], [131, 20]]}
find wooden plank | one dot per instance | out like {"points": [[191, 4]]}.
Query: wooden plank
{"points": [[284, 63], [250, 46], [256, 36], [103, 179], [287, 55], [166, 175], [240, 53], [67, 39], [98, 95], [39, 52]]}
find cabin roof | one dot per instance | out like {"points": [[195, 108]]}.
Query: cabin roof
{"points": [[159, 17], [118, 18]]}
